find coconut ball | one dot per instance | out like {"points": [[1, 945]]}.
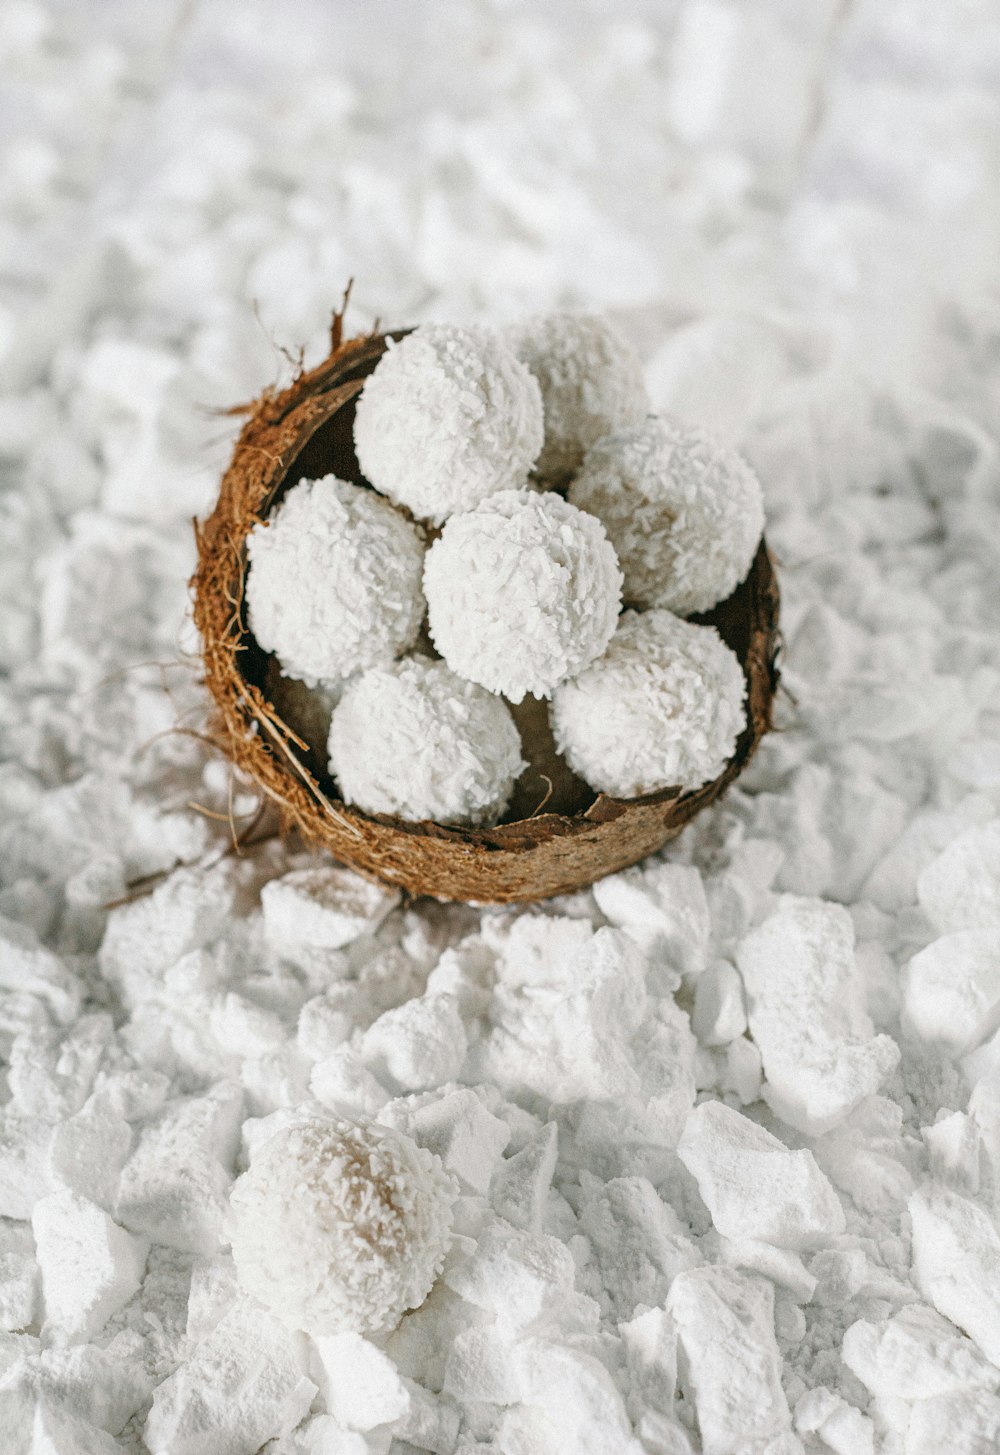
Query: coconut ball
{"points": [[685, 514], [447, 417], [340, 1228], [591, 382], [522, 592], [416, 740], [662, 708], [334, 581]]}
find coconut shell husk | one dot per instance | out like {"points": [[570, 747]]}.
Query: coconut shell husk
{"points": [[558, 835]]}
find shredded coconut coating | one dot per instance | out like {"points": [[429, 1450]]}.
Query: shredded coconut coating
{"points": [[522, 592], [334, 581], [685, 514], [417, 740], [662, 708], [340, 1228], [591, 382], [447, 417]]}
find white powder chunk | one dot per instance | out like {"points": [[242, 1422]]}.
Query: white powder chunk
{"points": [[650, 1341], [142, 940], [730, 1366], [567, 1001], [514, 1275], [88, 1151], [583, 1410], [915, 1354], [638, 1243], [719, 1015], [591, 382], [663, 901], [173, 1187], [52, 1070], [18, 1277], [327, 907], [418, 1045], [243, 1385], [418, 740], [428, 1423], [753, 1186], [684, 513], [24, 1168], [843, 1429], [90, 1266], [360, 1383], [458, 1128], [961, 1424], [662, 708], [334, 581], [784, 1268], [807, 1014], [58, 1432], [960, 889], [28, 968], [951, 990], [521, 1183], [447, 417], [338, 1227], [956, 1263], [522, 592]]}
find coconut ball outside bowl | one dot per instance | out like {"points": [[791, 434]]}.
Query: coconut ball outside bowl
{"points": [[557, 834]]}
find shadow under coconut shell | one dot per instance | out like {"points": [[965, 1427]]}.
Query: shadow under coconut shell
{"points": [[558, 835]]}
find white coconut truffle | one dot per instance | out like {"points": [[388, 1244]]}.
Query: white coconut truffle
{"points": [[334, 581], [591, 382], [416, 740], [685, 514], [340, 1228], [522, 592], [662, 708], [448, 416]]}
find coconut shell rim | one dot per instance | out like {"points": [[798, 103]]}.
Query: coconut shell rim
{"points": [[278, 427]]}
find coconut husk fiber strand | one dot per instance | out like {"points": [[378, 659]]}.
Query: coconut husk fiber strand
{"points": [[558, 835]]}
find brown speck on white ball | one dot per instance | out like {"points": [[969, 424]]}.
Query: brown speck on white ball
{"points": [[337, 1227]]}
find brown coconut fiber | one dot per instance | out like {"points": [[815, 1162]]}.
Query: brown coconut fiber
{"points": [[558, 835]]}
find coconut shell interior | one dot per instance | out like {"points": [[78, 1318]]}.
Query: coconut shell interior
{"points": [[558, 835]]}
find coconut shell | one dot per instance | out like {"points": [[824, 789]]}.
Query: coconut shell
{"points": [[558, 835]]}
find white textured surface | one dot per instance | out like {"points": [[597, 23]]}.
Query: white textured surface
{"points": [[521, 592], [662, 707], [334, 581], [803, 250], [591, 382], [339, 1228], [417, 740], [447, 417], [684, 514]]}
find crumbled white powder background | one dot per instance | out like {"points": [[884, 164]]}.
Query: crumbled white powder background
{"points": [[727, 1128]]}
